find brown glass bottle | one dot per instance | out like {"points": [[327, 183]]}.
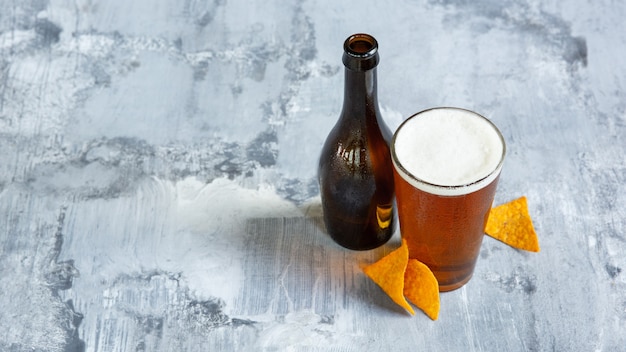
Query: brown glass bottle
{"points": [[355, 171]]}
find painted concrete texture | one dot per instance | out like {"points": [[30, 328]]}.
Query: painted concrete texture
{"points": [[158, 185]]}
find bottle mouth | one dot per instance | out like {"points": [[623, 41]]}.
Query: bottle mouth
{"points": [[360, 52], [360, 45]]}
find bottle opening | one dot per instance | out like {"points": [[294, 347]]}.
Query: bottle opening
{"points": [[361, 46], [360, 52]]}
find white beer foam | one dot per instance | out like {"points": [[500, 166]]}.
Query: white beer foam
{"points": [[448, 151]]}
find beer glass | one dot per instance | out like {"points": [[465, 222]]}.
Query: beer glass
{"points": [[446, 164]]}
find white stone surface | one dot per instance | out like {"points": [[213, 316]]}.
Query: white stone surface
{"points": [[158, 173]]}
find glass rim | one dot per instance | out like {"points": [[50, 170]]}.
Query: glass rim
{"points": [[447, 190]]}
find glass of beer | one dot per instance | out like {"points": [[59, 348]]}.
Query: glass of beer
{"points": [[446, 163]]}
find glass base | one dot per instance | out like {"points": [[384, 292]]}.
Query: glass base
{"points": [[455, 285]]}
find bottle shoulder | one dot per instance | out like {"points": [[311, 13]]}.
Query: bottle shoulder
{"points": [[352, 128], [354, 149]]}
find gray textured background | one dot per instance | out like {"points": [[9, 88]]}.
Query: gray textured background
{"points": [[158, 160]]}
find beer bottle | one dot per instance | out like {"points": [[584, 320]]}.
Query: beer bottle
{"points": [[355, 170]]}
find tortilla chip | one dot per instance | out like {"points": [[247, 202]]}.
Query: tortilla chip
{"points": [[388, 273], [421, 288], [511, 224]]}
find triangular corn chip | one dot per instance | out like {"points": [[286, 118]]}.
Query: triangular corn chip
{"points": [[388, 273], [511, 224], [421, 288]]}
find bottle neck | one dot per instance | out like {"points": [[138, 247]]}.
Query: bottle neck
{"points": [[360, 94]]}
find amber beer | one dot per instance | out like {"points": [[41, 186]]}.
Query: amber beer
{"points": [[447, 162]]}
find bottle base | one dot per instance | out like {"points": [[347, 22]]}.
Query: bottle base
{"points": [[356, 236], [367, 247]]}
